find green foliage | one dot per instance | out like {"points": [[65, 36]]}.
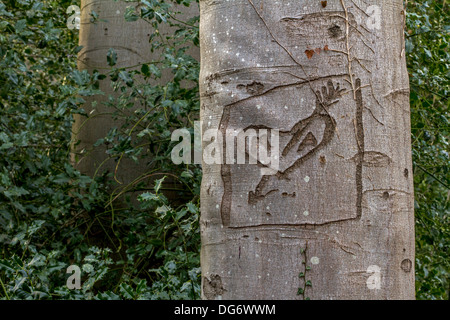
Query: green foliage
{"points": [[51, 216], [427, 49]]}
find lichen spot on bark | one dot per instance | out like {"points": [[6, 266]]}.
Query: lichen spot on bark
{"points": [[213, 288]]}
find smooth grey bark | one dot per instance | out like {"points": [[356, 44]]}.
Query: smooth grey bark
{"points": [[336, 221]]}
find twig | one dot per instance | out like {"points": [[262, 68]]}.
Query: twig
{"points": [[348, 49]]}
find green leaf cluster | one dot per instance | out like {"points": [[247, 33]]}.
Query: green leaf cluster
{"points": [[427, 51]]}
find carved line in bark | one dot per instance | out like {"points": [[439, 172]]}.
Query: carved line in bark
{"points": [[360, 140], [283, 47], [297, 131], [374, 159], [330, 126], [209, 93], [326, 98]]}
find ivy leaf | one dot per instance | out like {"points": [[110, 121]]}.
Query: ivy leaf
{"points": [[126, 290], [160, 17], [80, 77], [148, 196], [162, 210], [20, 25], [126, 77], [130, 14], [155, 70], [187, 174], [88, 268], [428, 53], [145, 70], [108, 295], [158, 184], [111, 57], [191, 207], [15, 192]]}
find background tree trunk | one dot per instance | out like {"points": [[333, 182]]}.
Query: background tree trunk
{"points": [[336, 221], [130, 41]]}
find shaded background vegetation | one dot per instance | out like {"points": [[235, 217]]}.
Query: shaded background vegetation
{"points": [[51, 216]]}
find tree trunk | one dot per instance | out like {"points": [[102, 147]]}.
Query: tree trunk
{"points": [[334, 219], [130, 41]]}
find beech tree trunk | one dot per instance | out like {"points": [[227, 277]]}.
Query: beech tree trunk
{"points": [[130, 42], [335, 219]]}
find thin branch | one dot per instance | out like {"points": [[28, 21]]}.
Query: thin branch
{"points": [[433, 176], [348, 49]]}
